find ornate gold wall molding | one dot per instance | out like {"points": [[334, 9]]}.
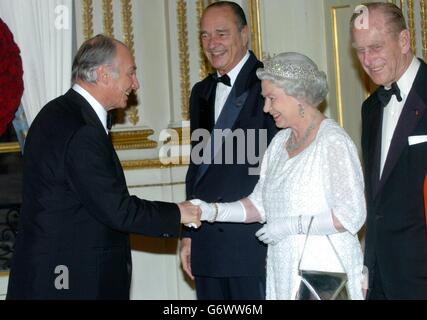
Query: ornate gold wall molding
{"points": [[126, 140], [151, 164], [255, 24], [154, 185], [411, 25], [123, 140], [107, 8], [423, 10], [337, 64], [7, 147], [127, 26], [181, 8], [179, 136], [87, 17], [203, 62]]}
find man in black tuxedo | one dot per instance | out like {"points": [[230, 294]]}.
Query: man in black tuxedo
{"points": [[394, 142], [76, 216], [226, 259]]}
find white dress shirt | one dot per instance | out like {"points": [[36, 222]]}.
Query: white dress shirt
{"points": [[222, 91], [96, 106], [394, 108]]}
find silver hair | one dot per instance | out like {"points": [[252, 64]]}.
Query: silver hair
{"points": [[297, 75], [94, 52]]}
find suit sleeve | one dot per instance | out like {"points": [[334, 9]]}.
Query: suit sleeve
{"points": [[96, 176]]}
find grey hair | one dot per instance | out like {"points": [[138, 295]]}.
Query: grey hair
{"points": [[297, 75], [94, 52]]}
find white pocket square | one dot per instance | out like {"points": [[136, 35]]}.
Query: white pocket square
{"points": [[417, 139]]}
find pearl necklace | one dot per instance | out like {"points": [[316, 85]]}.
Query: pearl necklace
{"points": [[292, 146]]}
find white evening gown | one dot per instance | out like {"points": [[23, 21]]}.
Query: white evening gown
{"points": [[327, 174]]}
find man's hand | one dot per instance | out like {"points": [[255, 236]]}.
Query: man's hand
{"points": [[185, 255], [190, 214]]}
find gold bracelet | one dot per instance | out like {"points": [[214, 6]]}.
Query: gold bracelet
{"points": [[215, 214]]}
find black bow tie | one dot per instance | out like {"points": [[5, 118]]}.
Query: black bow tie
{"points": [[109, 120], [384, 95], [225, 79]]}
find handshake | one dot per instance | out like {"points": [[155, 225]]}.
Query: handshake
{"points": [[195, 211], [271, 233]]}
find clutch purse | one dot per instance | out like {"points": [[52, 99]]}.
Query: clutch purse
{"points": [[321, 285]]}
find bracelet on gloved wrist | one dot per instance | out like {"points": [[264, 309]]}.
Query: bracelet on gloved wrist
{"points": [[215, 214]]}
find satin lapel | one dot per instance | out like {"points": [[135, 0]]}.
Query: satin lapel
{"points": [[206, 118], [206, 106], [375, 145], [233, 105], [412, 112], [229, 114], [226, 120], [247, 76], [238, 95], [231, 110]]}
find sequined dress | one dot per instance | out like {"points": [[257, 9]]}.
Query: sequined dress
{"points": [[327, 174]]}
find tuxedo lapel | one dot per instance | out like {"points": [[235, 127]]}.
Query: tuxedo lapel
{"points": [[229, 114], [247, 76], [231, 110], [238, 95], [232, 107], [412, 112], [206, 106], [374, 149], [206, 118]]}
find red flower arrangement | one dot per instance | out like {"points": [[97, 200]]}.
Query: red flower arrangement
{"points": [[11, 83]]}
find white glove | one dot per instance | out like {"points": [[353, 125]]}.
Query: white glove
{"points": [[274, 231], [221, 212], [208, 209]]}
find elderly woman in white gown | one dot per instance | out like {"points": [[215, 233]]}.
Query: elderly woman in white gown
{"points": [[311, 169]]}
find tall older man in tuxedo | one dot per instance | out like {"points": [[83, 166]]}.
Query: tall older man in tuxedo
{"points": [[227, 260], [73, 239], [394, 142]]}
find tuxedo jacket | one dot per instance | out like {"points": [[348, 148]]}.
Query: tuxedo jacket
{"points": [[396, 238], [77, 213], [228, 249]]}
